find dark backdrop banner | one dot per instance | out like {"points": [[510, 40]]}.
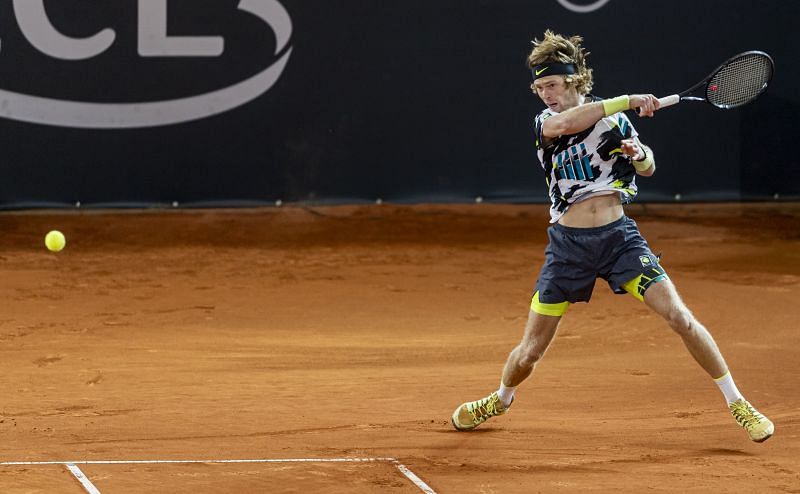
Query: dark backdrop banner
{"points": [[228, 102]]}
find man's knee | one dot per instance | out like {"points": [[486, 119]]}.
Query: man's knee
{"points": [[681, 320], [529, 354]]}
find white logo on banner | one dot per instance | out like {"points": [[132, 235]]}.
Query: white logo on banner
{"points": [[153, 42], [582, 9]]}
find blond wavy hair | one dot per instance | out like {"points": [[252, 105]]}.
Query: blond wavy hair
{"points": [[557, 48]]}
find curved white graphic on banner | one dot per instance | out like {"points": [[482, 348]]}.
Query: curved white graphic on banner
{"points": [[37, 29], [582, 9], [82, 114]]}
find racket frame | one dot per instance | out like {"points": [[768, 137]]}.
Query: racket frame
{"points": [[684, 96]]}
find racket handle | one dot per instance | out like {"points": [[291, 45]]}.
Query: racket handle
{"points": [[669, 100]]}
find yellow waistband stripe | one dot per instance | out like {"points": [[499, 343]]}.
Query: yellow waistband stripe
{"points": [[632, 287], [548, 309], [641, 283]]}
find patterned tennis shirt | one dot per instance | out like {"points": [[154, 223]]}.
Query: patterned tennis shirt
{"points": [[588, 163]]}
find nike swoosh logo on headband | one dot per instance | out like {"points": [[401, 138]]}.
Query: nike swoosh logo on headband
{"points": [[538, 72]]}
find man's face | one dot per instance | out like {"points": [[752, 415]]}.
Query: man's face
{"points": [[556, 93]]}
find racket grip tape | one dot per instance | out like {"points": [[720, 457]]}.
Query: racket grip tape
{"points": [[669, 100]]}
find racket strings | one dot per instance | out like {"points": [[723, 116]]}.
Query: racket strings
{"points": [[740, 81]]}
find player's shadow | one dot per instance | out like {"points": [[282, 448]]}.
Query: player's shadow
{"points": [[724, 452], [482, 430]]}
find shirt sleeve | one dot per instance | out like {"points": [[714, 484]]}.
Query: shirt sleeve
{"points": [[538, 123], [630, 130]]}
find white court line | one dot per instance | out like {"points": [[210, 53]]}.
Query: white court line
{"points": [[87, 484], [91, 489], [150, 462], [413, 478]]}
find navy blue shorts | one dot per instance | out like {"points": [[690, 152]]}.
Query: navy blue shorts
{"points": [[576, 257]]}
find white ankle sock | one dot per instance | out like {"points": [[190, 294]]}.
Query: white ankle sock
{"points": [[506, 394], [728, 388]]}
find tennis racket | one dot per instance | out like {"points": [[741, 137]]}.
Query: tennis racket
{"points": [[738, 81]]}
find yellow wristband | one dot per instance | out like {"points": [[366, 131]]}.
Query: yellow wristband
{"points": [[616, 105], [645, 163]]}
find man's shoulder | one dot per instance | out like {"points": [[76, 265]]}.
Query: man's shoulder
{"points": [[545, 114]]}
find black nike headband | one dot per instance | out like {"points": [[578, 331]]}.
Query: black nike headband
{"points": [[553, 68]]}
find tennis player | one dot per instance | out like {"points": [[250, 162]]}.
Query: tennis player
{"points": [[591, 155]]}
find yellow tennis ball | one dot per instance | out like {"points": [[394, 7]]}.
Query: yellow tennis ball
{"points": [[55, 240]]}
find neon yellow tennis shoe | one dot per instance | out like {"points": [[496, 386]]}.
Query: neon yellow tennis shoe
{"points": [[473, 413], [759, 427]]}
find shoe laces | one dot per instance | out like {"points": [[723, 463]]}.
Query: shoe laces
{"points": [[485, 408], [745, 414]]}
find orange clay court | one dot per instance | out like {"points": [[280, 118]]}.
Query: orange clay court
{"points": [[352, 333]]}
